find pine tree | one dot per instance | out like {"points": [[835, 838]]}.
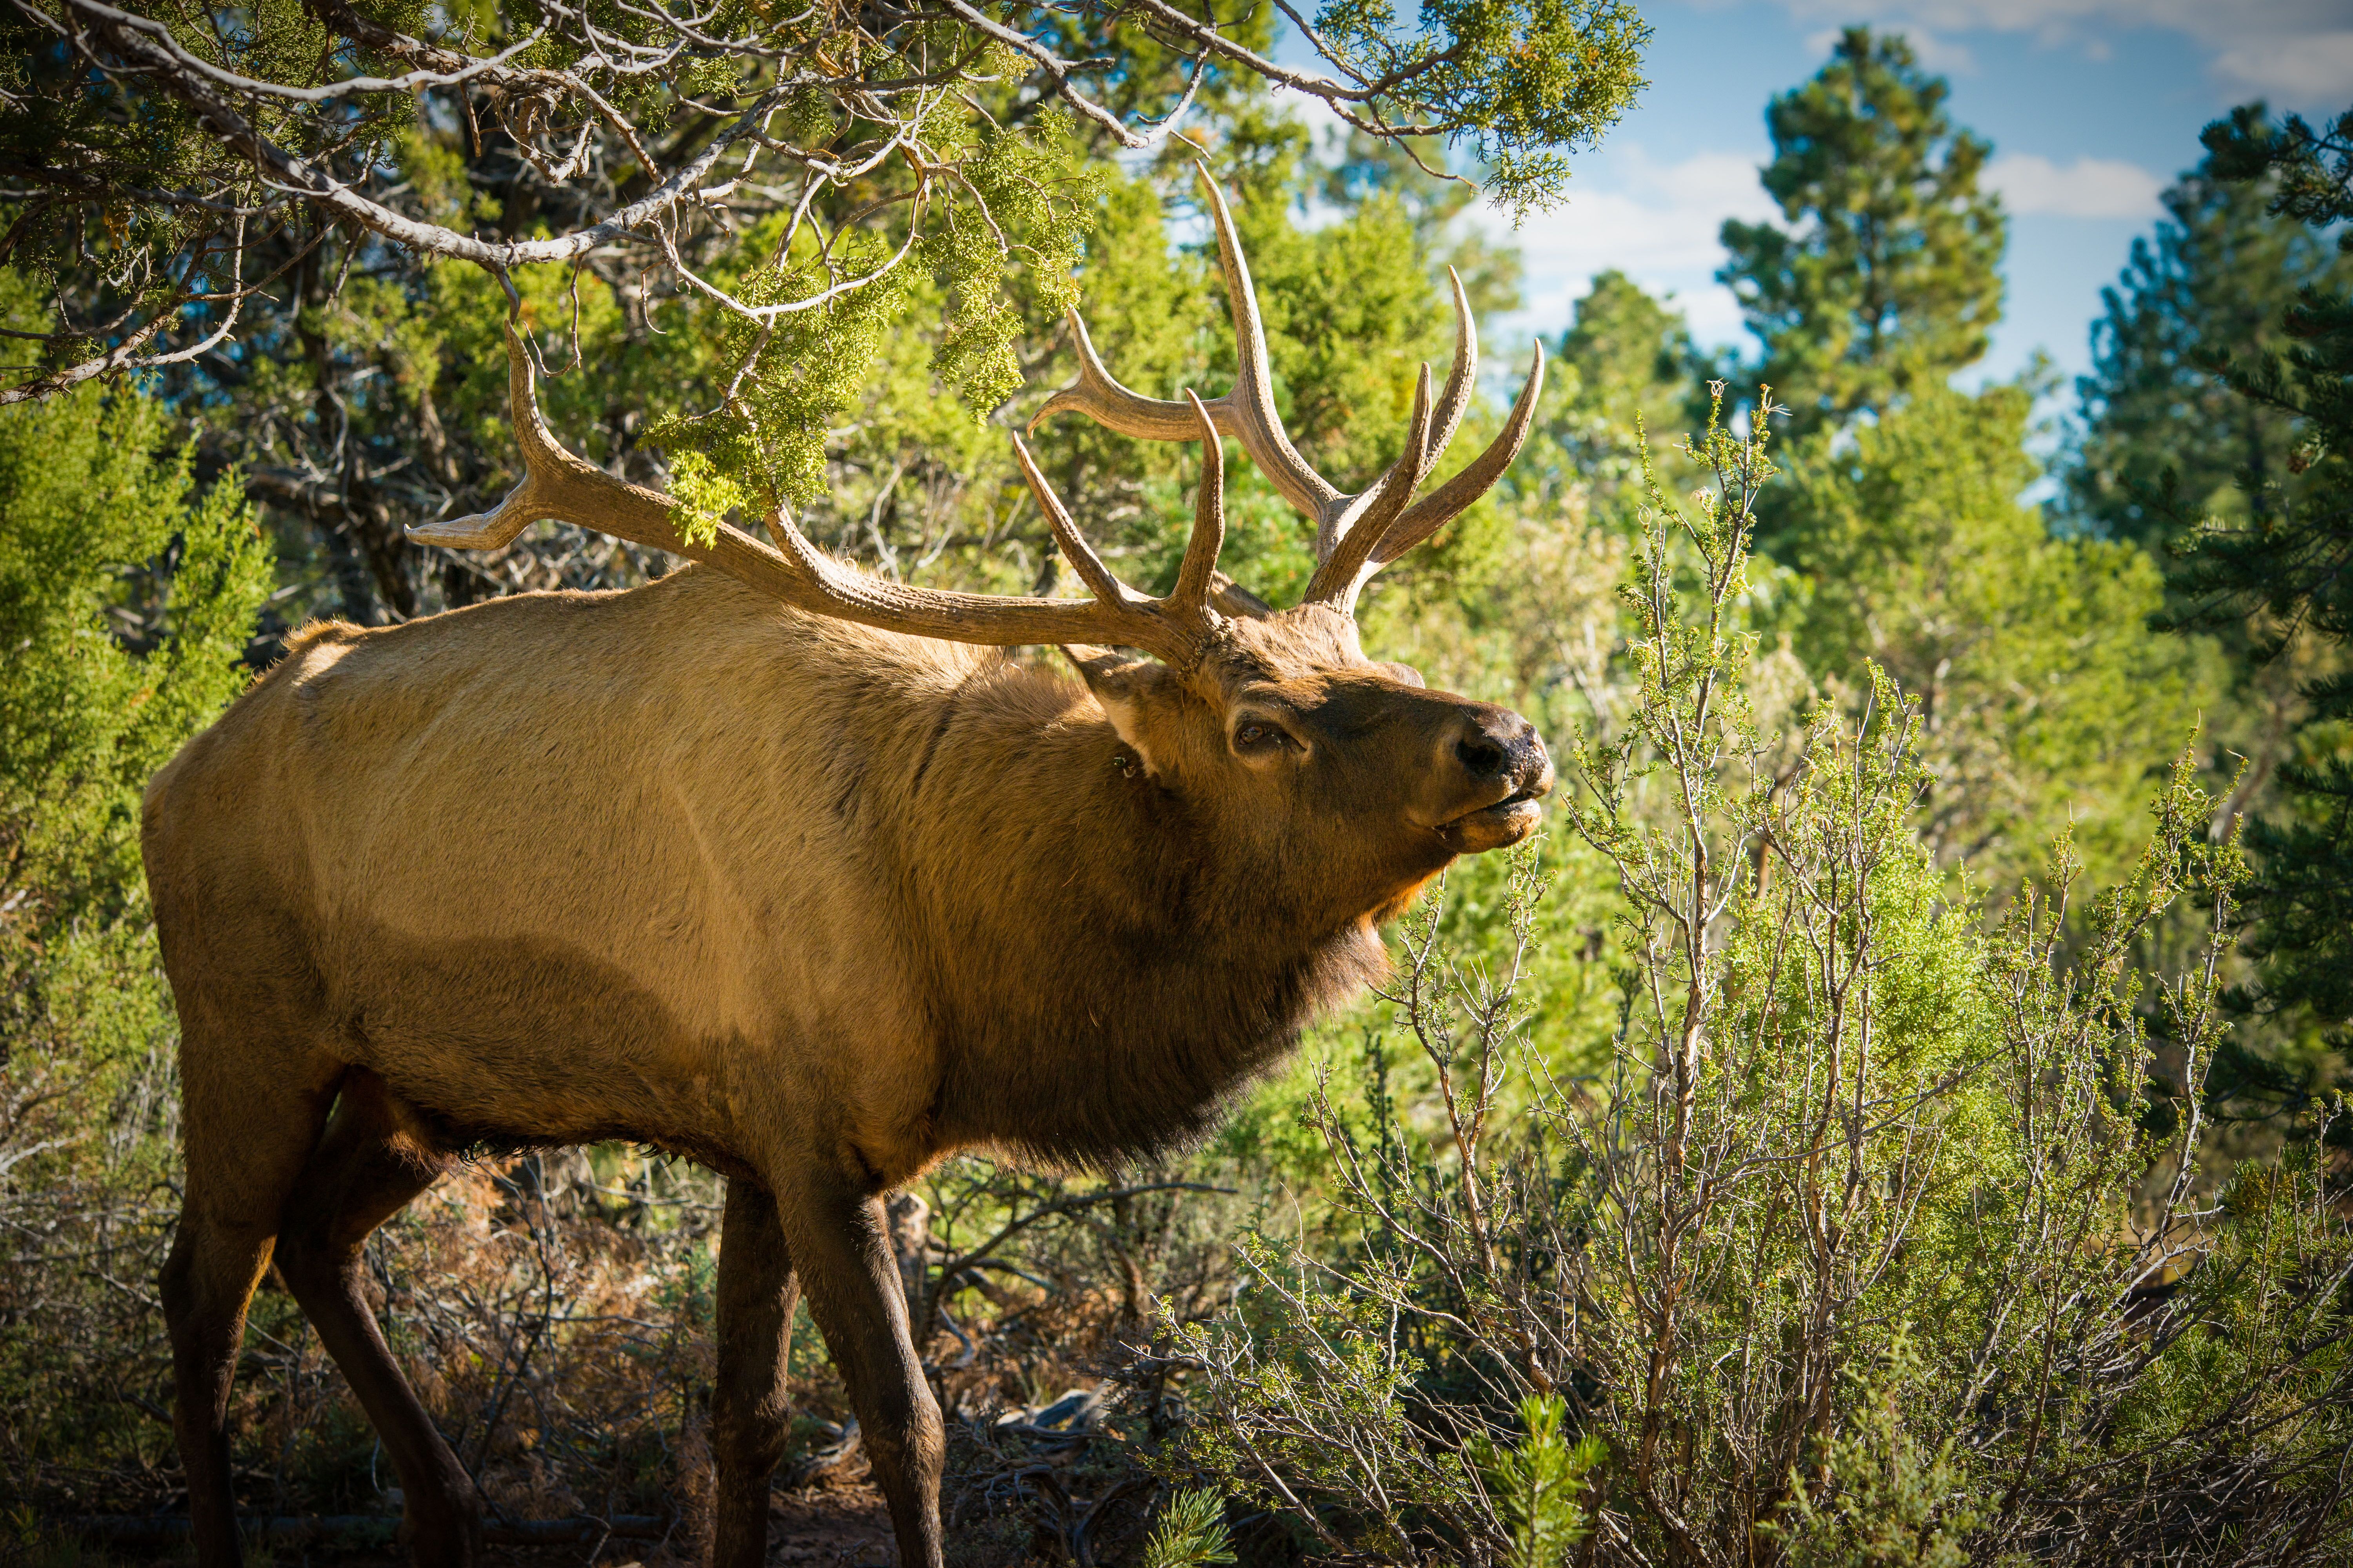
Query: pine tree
{"points": [[2162, 442], [1886, 278], [1626, 370], [2219, 269], [1633, 354], [2041, 691], [2289, 558]]}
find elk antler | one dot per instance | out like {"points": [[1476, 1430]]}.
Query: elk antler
{"points": [[557, 484], [1356, 535]]}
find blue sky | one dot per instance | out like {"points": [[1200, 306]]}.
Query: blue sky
{"points": [[2093, 106]]}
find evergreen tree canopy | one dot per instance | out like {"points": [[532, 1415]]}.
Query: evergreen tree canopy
{"points": [[125, 602], [1631, 355], [1367, 167], [2045, 700], [168, 168], [1626, 371], [2219, 271], [2288, 558], [1886, 278], [762, 230], [2214, 279]]}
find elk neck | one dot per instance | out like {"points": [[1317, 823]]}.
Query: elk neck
{"points": [[1108, 964]]}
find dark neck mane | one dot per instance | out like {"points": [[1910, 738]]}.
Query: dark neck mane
{"points": [[1108, 971]]}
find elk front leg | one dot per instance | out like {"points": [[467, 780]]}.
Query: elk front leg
{"points": [[842, 1250], [749, 1416]]}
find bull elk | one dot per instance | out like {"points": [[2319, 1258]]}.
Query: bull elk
{"points": [[792, 871]]}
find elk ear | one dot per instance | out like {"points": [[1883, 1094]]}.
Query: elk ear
{"points": [[1123, 687]]}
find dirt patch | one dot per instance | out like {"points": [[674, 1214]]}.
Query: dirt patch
{"points": [[843, 1525], [837, 1523]]}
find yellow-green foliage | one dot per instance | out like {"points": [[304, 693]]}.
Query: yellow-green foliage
{"points": [[1535, 1481], [2044, 696], [831, 302], [1856, 1242], [1895, 1499], [96, 513], [1547, 76], [1191, 1533], [101, 531]]}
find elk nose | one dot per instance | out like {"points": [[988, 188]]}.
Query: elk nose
{"points": [[1481, 755], [1498, 746]]}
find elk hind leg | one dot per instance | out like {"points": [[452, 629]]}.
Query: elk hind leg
{"points": [[750, 1418], [246, 1139], [376, 1157]]}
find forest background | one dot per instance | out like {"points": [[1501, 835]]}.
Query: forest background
{"points": [[2015, 696]]}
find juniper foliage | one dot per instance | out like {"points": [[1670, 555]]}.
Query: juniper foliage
{"points": [[126, 596], [179, 171]]}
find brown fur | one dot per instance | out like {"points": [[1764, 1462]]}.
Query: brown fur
{"points": [[815, 904]]}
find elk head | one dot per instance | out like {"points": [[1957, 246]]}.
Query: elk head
{"points": [[1271, 724]]}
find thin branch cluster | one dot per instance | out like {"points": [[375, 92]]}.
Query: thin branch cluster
{"points": [[1881, 1234], [175, 165]]}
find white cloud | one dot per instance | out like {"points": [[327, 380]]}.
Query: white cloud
{"points": [[2088, 187], [2301, 50], [1935, 52], [2312, 68], [1657, 223]]}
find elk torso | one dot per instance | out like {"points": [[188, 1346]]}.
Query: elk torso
{"points": [[687, 866]]}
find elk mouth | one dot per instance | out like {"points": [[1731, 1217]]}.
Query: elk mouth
{"points": [[1499, 826]]}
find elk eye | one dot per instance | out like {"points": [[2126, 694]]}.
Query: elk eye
{"points": [[1262, 736]]}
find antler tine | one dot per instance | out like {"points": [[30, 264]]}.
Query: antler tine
{"points": [[1247, 413], [1106, 588], [1191, 593], [1189, 605], [558, 484], [1363, 531], [1098, 394], [543, 462], [1443, 505], [1386, 496], [1456, 398], [1248, 409], [1344, 572]]}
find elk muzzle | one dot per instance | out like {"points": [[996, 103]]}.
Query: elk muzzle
{"points": [[1494, 759]]}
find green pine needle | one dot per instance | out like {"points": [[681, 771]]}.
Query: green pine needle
{"points": [[1191, 1532]]}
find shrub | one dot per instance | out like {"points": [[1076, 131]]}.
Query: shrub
{"points": [[125, 599], [1879, 1237]]}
